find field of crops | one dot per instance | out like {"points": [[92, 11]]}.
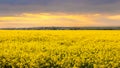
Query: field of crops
{"points": [[59, 49]]}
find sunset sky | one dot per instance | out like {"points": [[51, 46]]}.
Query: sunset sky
{"points": [[66, 13]]}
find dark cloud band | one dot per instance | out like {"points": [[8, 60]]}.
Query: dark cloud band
{"points": [[67, 6]]}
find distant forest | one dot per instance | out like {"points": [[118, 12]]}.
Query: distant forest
{"points": [[64, 28]]}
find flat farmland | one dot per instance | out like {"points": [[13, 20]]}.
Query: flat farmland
{"points": [[59, 48]]}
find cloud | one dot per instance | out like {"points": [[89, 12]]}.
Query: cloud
{"points": [[47, 19], [12, 7], [114, 17], [59, 13], [58, 19]]}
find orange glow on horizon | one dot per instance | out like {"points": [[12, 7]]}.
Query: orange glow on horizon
{"points": [[56, 19]]}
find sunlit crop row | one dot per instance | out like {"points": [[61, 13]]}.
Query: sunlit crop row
{"points": [[59, 49]]}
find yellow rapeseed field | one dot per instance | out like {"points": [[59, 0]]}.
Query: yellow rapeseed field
{"points": [[59, 49]]}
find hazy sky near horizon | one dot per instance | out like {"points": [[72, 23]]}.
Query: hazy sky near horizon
{"points": [[35, 13]]}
